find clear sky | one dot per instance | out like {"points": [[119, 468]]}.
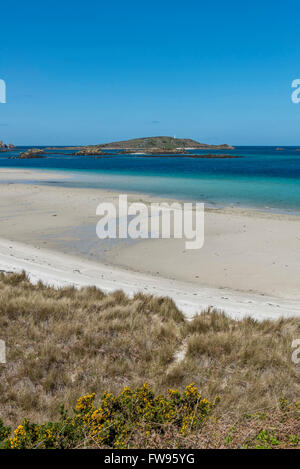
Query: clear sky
{"points": [[94, 71]]}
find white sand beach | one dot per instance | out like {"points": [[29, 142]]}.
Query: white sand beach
{"points": [[249, 265], [59, 270]]}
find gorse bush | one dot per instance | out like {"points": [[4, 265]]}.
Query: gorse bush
{"points": [[113, 423], [142, 419]]}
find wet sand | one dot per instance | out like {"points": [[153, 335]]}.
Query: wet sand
{"points": [[250, 260]]}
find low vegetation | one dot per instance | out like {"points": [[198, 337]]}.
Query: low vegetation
{"points": [[66, 343], [164, 142]]}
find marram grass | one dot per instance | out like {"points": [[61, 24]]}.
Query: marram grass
{"points": [[65, 343]]}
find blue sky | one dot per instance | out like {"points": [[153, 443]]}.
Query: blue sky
{"points": [[90, 72]]}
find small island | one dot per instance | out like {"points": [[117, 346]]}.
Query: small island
{"points": [[163, 143], [139, 147], [4, 147], [153, 146], [31, 153]]}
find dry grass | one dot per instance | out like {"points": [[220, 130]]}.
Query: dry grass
{"points": [[64, 343], [248, 363]]}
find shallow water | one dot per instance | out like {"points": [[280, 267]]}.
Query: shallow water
{"points": [[263, 178]]}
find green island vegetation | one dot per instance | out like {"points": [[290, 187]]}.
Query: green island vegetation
{"points": [[148, 145], [166, 143], [86, 369]]}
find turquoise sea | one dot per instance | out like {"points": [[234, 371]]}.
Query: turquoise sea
{"points": [[263, 178]]}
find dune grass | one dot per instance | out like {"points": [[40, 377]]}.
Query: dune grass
{"points": [[65, 343]]}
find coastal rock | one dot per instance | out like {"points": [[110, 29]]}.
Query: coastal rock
{"points": [[4, 147], [178, 151], [215, 147], [32, 153], [88, 151]]}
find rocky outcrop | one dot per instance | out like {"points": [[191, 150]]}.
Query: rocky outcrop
{"points": [[178, 151], [88, 151], [4, 147], [224, 146], [32, 153]]}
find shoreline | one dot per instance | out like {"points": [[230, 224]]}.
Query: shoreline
{"points": [[44, 177], [60, 270], [250, 260]]}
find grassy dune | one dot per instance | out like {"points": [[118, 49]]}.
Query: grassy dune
{"points": [[65, 343]]}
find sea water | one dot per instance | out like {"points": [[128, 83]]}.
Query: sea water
{"points": [[263, 178]]}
